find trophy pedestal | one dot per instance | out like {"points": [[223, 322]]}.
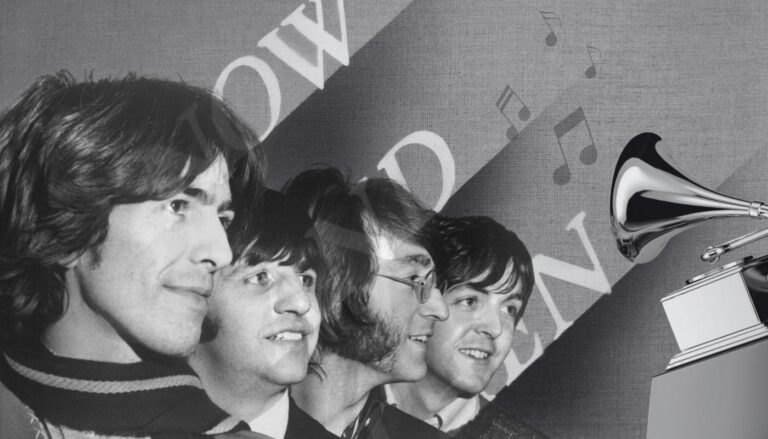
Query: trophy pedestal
{"points": [[719, 310], [724, 396]]}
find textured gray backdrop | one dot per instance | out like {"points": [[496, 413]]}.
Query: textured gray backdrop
{"points": [[441, 74]]}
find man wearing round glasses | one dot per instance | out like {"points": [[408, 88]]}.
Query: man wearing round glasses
{"points": [[422, 288], [378, 305]]}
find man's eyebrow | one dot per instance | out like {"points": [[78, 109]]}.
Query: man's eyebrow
{"points": [[422, 259], [512, 297], [516, 296], [206, 198]]}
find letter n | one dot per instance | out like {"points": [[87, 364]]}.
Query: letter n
{"points": [[593, 279]]}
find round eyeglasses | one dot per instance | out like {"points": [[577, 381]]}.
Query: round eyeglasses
{"points": [[422, 288]]}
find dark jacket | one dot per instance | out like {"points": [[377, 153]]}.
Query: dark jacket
{"points": [[493, 422], [16, 419], [396, 424], [301, 425], [382, 421]]}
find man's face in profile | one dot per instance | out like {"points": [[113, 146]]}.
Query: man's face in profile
{"points": [[471, 344], [265, 320], [395, 307], [149, 281]]}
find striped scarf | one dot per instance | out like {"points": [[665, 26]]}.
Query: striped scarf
{"points": [[145, 399]]}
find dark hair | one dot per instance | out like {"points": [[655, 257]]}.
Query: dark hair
{"points": [[476, 245], [278, 230], [70, 151], [346, 217]]}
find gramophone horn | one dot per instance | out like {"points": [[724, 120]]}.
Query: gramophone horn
{"points": [[651, 202]]}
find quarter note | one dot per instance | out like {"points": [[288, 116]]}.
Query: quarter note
{"points": [[562, 174], [591, 70], [551, 38], [588, 155], [523, 114]]}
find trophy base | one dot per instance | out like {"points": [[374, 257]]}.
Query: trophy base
{"points": [[724, 396], [719, 310], [721, 344]]}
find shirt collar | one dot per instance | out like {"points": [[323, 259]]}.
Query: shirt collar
{"points": [[454, 415], [274, 421], [368, 418]]}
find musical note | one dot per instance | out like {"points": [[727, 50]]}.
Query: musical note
{"points": [[591, 70], [523, 114], [562, 174], [551, 38], [588, 155]]}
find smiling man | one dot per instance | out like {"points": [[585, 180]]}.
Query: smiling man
{"points": [[378, 304], [487, 276], [263, 324], [114, 199]]}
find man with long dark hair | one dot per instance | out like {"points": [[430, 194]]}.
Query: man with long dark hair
{"points": [[378, 304], [114, 199]]}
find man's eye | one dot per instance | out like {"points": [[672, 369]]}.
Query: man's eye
{"points": [[261, 278], [510, 310], [468, 301], [226, 219], [307, 280], [178, 206]]}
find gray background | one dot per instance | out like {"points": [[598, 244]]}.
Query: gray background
{"points": [[693, 72]]}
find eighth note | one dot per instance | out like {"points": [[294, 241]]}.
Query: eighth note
{"points": [[551, 38], [592, 70], [588, 155], [523, 114]]}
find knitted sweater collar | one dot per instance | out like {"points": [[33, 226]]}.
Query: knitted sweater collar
{"points": [[156, 399]]}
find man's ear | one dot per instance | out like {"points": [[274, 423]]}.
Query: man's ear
{"points": [[70, 261]]}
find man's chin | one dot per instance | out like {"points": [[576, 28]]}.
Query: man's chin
{"points": [[163, 353], [466, 389], [289, 377]]}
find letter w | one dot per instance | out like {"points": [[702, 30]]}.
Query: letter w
{"points": [[315, 32], [594, 279]]}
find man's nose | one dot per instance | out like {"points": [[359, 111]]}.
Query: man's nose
{"points": [[211, 244], [291, 296], [435, 306], [489, 322]]}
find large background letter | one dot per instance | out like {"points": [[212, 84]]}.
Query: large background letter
{"points": [[270, 82], [437, 145]]}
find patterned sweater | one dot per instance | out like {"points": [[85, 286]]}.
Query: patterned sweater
{"points": [[72, 398]]}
